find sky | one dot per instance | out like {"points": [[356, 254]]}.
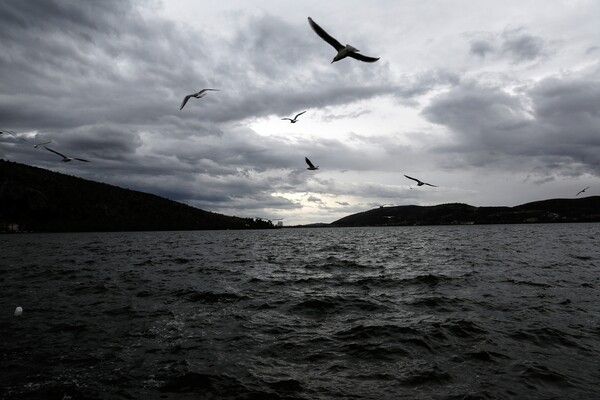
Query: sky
{"points": [[495, 103]]}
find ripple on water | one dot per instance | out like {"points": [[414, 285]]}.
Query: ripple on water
{"points": [[208, 297], [471, 312], [336, 304]]}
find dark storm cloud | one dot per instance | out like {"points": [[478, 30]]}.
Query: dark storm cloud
{"points": [[481, 47], [424, 82], [82, 63], [569, 109], [515, 44], [553, 125], [209, 175], [74, 64], [521, 46], [473, 111], [314, 199]]}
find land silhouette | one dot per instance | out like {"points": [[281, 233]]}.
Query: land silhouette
{"points": [[585, 209], [37, 200]]}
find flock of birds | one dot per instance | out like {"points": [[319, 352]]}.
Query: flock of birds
{"points": [[342, 52]]}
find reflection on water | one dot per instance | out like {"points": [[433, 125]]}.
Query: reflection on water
{"points": [[465, 312]]}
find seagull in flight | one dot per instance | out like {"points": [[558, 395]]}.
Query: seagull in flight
{"points": [[310, 165], [419, 183], [198, 95], [13, 134], [342, 51], [293, 121], [581, 191], [65, 158]]}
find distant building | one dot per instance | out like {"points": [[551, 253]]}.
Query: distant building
{"points": [[10, 227]]}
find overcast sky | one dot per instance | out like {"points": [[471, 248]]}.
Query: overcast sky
{"points": [[496, 103]]}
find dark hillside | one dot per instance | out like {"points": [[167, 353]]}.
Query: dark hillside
{"points": [[36, 199], [585, 209]]}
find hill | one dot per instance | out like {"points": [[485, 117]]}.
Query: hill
{"points": [[35, 199], [585, 209]]}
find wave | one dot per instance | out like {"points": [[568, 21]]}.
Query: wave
{"points": [[334, 304], [208, 296], [458, 328], [537, 375], [424, 376], [528, 283], [212, 386], [546, 338], [440, 304], [333, 263]]}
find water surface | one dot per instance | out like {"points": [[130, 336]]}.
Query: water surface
{"points": [[446, 312]]}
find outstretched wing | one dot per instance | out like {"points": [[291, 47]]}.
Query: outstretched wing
{"points": [[185, 100], [204, 90], [299, 114], [13, 134], [414, 179], [362, 57], [324, 35], [429, 184], [35, 146], [308, 162], [283, 119], [80, 159], [55, 152]]}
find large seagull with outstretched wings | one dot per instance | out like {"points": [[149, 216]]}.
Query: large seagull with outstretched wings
{"points": [[342, 51], [420, 183]]}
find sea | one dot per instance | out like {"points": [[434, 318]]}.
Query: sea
{"points": [[418, 312]]}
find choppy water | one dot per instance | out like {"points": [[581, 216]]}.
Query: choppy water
{"points": [[466, 312]]}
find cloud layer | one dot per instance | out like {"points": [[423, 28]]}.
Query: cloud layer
{"points": [[104, 80]]}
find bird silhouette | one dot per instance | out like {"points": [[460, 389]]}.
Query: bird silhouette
{"points": [[13, 134], [65, 158], [197, 95], [310, 165], [295, 119], [582, 191], [420, 183], [342, 51]]}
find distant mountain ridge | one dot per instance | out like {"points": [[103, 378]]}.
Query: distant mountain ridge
{"points": [[585, 209], [35, 199]]}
